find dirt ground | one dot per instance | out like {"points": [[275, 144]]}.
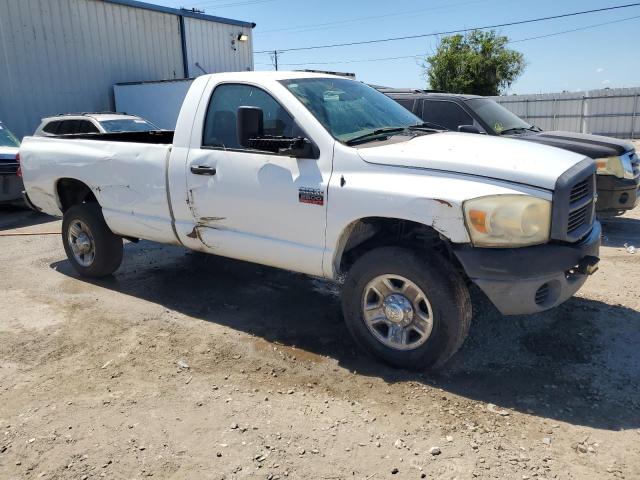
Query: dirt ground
{"points": [[191, 366]]}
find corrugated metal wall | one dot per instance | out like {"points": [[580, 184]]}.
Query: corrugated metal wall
{"points": [[611, 112], [64, 55], [61, 56], [210, 45]]}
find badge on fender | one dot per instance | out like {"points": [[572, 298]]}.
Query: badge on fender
{"points": [[312, 196]]}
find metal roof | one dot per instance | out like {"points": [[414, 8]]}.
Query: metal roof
{"points": [[181, 12]]}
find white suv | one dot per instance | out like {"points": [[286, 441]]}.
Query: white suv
{"points": [[77, 123]]}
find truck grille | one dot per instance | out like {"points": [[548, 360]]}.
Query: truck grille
{"points": [[578, 218], [574, 203], [580, 191]]}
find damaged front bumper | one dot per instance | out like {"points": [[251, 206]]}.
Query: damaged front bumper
{"points": [[531, 279], [616, 195]]}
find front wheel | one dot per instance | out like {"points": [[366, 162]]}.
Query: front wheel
{"points": [[91, 247], [410, 312]]}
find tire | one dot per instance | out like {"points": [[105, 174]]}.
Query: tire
{"points": [[105, 254], [446, 302]]}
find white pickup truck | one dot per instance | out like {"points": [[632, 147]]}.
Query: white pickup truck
{"points": [[328, 177]]}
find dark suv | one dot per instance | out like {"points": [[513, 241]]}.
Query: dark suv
{"points": [[617, 161]]}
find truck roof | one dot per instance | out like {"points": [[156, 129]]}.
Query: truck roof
{"points": [[271, 75]]}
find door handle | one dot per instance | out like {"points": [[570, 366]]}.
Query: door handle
{"points": [[203, 170]]}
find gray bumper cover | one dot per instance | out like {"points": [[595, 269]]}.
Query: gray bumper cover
{"points": [[531, 279]]}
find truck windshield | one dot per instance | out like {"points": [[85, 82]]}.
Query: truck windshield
{"points": [[350, 109], [497, 117], [7, 139], [128, 125]]}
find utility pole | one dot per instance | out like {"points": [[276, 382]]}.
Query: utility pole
{"points": [[275, 59]]}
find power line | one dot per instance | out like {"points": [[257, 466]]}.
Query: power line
{"points": [[325, 25], [422, 55], [586, 27], [407, 37]]}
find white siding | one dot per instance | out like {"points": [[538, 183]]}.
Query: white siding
{"points": [[209, 44]]}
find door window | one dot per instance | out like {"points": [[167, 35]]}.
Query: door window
{"points": [[407, 103], [447, 114], [220, 129], [85, 126], [68, 127]]}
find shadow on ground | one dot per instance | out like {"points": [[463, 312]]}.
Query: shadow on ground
{"points": [[12, 216], [578, 363]]}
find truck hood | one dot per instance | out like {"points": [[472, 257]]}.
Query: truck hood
{"points": [[481, 155], [593, 146]]}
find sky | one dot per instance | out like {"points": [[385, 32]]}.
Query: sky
{"points": [[598, 57]]}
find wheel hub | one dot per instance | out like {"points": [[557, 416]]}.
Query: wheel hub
{"points": [[84, 243], [81, 242], [397, 312], [398, 309]]}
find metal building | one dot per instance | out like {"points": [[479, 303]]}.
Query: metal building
{"points": [[60, 56]]}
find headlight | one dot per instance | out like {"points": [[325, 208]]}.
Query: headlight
{"points": [[617, 166], [508, 220]]}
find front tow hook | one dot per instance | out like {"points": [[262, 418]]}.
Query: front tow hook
{"points": [[588, 265]]}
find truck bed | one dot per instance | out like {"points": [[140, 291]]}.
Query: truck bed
{"points": [[126, 172], [159, 137]]}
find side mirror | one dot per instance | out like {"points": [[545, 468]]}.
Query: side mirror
{"points": [[249, 124], [469, 129]]}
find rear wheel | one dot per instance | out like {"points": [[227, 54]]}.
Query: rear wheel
{"points": [[92, 249], [410, 312]]}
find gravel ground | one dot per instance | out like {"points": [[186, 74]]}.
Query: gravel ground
{"points": [[191, 366]]}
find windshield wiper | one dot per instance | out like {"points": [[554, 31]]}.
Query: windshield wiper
{"points": [[428, 126], [514, 130], [375, 133]]}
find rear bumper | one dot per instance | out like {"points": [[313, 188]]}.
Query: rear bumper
{"points": [[531, 279], [616, 194], [10, 188]]}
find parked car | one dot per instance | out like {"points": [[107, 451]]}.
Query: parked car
{"points": [[10, 183], [328, 177], [617, 161], [82, 123]]}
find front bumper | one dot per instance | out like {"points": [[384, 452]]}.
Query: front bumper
{"points": [[531, 279], [616, 195]]}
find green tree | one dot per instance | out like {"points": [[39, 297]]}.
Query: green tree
{"points": [[477, 63]]}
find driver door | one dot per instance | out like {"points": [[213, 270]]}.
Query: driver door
{"points": [[256, 205]]}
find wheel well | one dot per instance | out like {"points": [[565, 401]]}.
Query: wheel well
{"points": [[73, 192], [373, 232]]}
